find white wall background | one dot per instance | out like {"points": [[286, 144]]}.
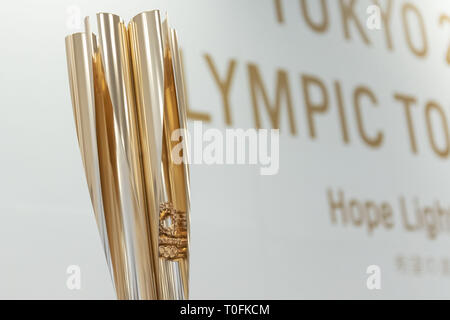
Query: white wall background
{"points": [[252, 236]]}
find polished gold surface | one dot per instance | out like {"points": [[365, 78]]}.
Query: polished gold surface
{"points": [[128, 97], [172, 233]]}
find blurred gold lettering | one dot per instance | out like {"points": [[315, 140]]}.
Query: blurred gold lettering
{"points": [[348, 14], [433, 106], [224, 86], [408, 101], [282, 90], [360, 91], [311, 107], [192, 115], [342, 116], [318, 27], [279, 11], [419, 52], [386, 17]]}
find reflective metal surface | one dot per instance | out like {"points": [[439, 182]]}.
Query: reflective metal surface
{"points": [[128, 98]]}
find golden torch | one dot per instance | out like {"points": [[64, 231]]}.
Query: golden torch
{"points": [[128, 98]]}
